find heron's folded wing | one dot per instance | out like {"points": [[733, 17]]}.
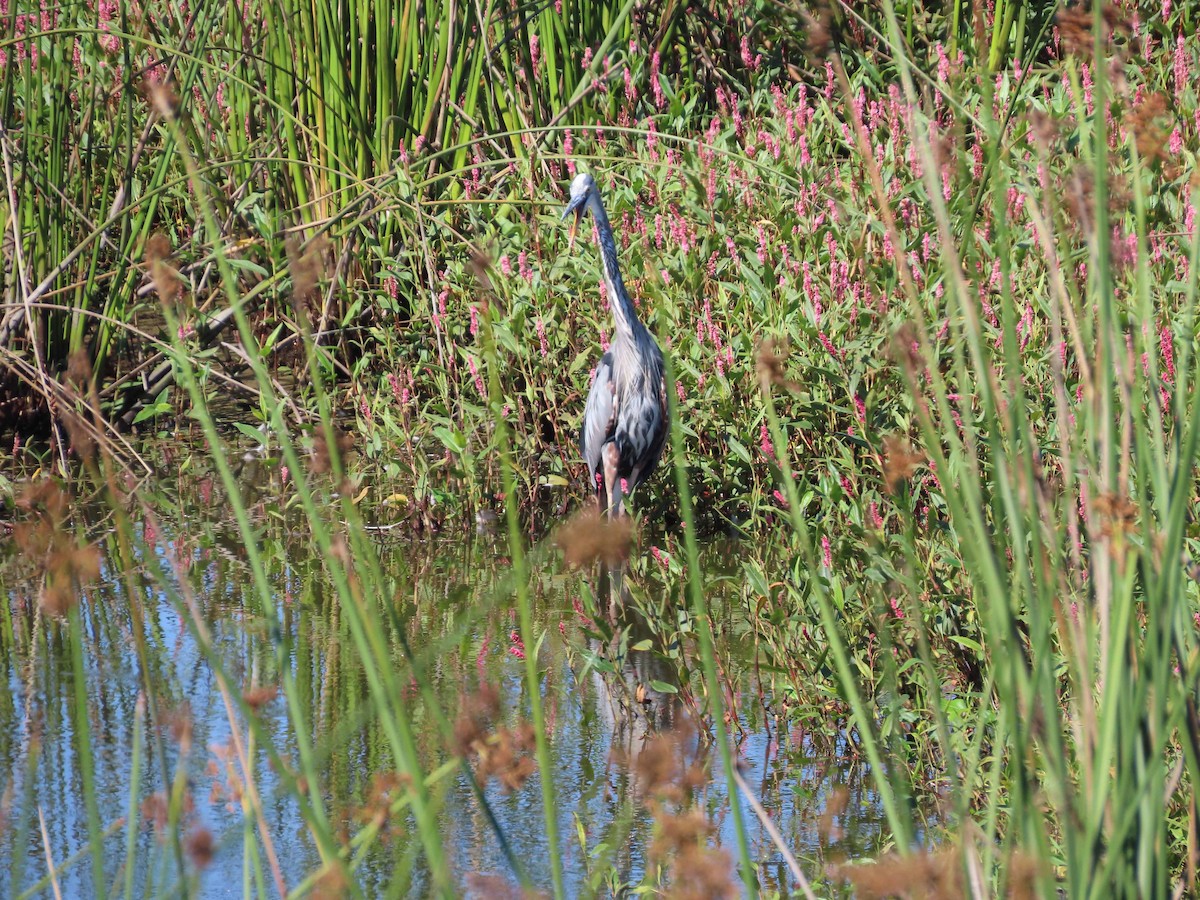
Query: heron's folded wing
{"points": [[599, 415]]}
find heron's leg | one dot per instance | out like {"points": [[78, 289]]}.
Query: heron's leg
{"points": [[610, 458]]}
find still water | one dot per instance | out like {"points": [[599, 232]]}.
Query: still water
{"points": [[149, 697]]}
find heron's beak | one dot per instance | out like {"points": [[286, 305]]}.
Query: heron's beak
{"points": [[575, 206]]}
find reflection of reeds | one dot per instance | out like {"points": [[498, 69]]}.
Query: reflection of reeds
{"points": [[65, 564]]}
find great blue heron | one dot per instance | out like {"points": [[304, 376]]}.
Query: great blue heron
{"points": [[625, 419]]}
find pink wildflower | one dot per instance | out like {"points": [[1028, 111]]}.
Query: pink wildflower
{"points": [[518, 646], [826, 553], [660, 100], [479, 386], [1181, 67], [873, 515], [764, 442]]}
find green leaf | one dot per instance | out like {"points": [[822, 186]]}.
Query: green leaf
{"points": [[739, 449], [251, 432], [452, 440]]}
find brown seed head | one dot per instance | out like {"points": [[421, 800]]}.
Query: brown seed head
{"points": [[590, 536], [827, 828], [158, 260], [164, 98], [1117, 515], [200, 847], [771, 362], [1149, 133], [332, 885], [306, 263], [258, 697], [322, 460], [1043, 128], [80, 433], [79, 369], [899, 461], [819, 25], [1075, 29], [933, 875], [474, 718]]}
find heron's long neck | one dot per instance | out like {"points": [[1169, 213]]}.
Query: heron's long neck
{"points": [[619, 300]]}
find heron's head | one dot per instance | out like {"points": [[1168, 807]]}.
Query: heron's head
{"points": [[582, 189]]}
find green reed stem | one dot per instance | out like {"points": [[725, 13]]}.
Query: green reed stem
{"points": [[379, 675], [135, 780], [703, 615], [529, 637]]}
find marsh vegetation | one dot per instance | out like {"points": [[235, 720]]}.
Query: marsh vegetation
{"points": [[292, 359]]}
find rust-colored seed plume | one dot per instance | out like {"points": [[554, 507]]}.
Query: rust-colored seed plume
{"points": [[164, 98], [322, 460], [477, 711], [158, 260], [66, 564], [1075, 29], [589, 536], [772, 355], [899, 461], [1043, 128], [933, 875], [201, 848], [386, 788], [827, 828], [79, 369], [330, 886], [258, 697], [306, 263], [498, 887], [1117, 515], [80, 431], [502, 753], [1145, 124]]}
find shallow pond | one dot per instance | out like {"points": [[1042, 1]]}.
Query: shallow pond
{"points": [[152, 699]]}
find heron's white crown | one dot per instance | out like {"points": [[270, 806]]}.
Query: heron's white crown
{"points": [[581, 185]]}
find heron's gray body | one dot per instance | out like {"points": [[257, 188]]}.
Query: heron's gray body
{"points": [[625, 419]]}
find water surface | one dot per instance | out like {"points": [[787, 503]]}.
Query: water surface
{"points": [[451, 602]]}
